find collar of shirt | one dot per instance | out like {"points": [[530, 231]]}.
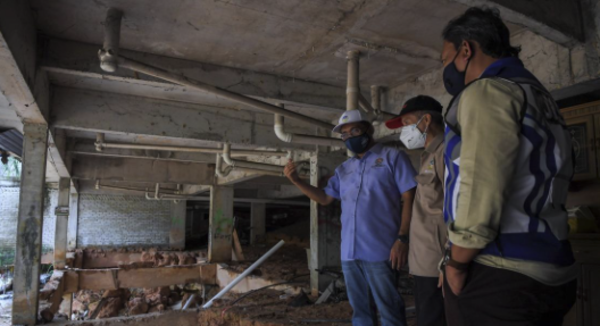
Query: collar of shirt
{"points": [[376, 149], [510, 67], [435, 143]]}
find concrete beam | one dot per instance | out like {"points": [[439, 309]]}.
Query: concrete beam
{"points": [[110, 113], [83, 58], [29, 225], [62, 217], [133, 170], [220, 224], [237, 176], [284, 191], [88, 149], [518, 18], [18, 74], [258, 218], [57, 150], [177, 231]]}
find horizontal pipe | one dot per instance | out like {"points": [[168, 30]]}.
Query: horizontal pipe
{"points": [[246, 164], [184, 81], [303, 139], [167, 196], [234, 152]]}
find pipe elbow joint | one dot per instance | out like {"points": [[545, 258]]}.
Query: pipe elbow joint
{"points": [[279, 132], [227, 156], [282, 135], [108, 61]]}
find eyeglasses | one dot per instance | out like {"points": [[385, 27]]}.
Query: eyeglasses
{"points": [[353, 133]]}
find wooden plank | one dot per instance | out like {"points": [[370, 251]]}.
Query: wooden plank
{"points": [[111, 279], [71, 281], [96, 280]]}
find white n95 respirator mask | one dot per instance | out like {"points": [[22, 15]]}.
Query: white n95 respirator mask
{"points": [[412, 137]]}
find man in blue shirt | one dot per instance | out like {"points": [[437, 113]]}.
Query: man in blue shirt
{"points": [[375, 224]]}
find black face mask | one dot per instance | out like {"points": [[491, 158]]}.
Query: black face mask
{"points": [[454, 80], [358, 144]]}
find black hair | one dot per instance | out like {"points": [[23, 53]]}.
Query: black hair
{"points": [[436, 117], [484, 26]]}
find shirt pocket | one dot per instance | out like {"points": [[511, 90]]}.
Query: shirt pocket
{"points": [[377, 177], [429, 197], [346, 182]]}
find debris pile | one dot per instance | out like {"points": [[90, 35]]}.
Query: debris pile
{"points": [[122, 302]]}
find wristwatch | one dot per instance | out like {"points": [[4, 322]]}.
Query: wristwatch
{"points": [[403, 238], [448, 261]]}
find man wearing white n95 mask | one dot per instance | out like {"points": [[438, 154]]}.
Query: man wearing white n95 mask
{"points": [[423, 127]]}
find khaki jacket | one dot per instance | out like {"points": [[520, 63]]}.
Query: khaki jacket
{"points": [[428, 232]]}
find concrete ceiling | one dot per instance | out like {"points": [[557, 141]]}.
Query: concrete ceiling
{"points": [[295, 38]]}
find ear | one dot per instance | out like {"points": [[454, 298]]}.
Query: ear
{"points": [[466, 51], [427, 118]]}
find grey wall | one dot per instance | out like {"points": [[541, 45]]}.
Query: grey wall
{"points": [[107, 220], [9, 206]]}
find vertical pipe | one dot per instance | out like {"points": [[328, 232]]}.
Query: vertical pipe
{"points": [[110, 48], [352, 87]]}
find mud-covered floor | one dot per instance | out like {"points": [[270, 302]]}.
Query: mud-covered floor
{"points": [[270, 308]]}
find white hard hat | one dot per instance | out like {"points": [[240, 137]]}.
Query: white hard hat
{"points": [[350, 117]]}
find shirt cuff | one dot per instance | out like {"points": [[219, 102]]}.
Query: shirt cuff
{"points": [[468, 239]]}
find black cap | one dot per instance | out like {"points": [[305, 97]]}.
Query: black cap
{"points": [[418, 103]]}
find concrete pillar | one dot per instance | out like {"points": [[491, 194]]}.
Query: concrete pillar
{"points": [[220, 224], [62, 217], [73, 219], [258, 217], [177, 232], [29, 225], [325, 223]]}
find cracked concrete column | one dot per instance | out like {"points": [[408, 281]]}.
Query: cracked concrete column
{"points": [[177, 231], [257, 221], [220, 224], [29, 225], [62, 217], [73, 219], [325, 221]]}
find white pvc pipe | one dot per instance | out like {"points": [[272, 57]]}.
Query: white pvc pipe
{"points": [[244, 274], [247, 164], [222, 173], [303, 139], [235, 152]]}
